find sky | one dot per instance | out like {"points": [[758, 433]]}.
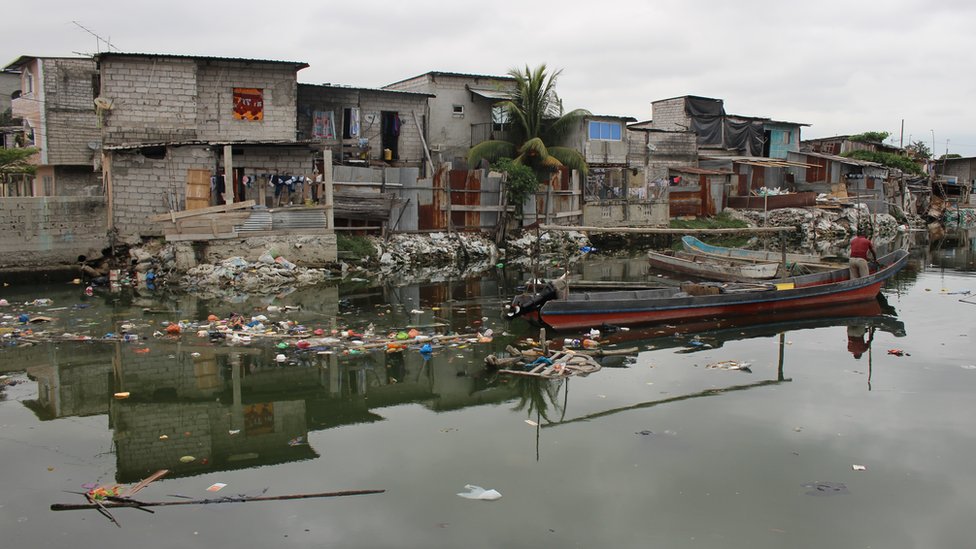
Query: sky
{"points": [[841, 67]]}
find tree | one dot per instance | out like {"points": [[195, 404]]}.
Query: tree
{"points": [[873, 137], [890, 160], [919, 150], [539, 124], [17, 161]]}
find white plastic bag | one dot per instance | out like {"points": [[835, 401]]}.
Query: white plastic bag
{"points": [[477, 492]]}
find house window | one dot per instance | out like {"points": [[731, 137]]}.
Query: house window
{"points": [[787, 137], [48, 182], [28, 81], [500, 118], [604, 131], [457, 111], [350, 123]]}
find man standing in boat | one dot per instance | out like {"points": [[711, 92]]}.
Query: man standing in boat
{"points": [[860, 247]]}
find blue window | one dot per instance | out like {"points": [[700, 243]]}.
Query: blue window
{"points": [[604, 131]]}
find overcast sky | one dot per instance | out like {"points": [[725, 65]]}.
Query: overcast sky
{"points": [[842, 67]]}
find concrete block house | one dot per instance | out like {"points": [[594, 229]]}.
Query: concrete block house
{"points": [[616, 191], [55, 104], [462, 111], [58, 214], [363, 126], [184, 132]]}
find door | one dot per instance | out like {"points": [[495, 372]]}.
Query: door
{"points": [[197, 189]]}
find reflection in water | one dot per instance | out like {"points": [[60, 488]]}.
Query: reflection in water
{"points": [[236, 407]]}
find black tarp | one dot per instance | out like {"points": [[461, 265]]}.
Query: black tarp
{"points": [[744, 135], [702, 106], [706, 119]]}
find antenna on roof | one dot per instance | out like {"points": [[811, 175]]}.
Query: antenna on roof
{"points": [[98, 39]]}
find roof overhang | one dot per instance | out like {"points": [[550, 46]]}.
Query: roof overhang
{"points": [[490, 93]]}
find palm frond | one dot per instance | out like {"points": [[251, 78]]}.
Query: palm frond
{"points": [[490, 151], [559, 128], [571, 158]]}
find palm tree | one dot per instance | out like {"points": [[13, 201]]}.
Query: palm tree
{"points": [[539, 124]]}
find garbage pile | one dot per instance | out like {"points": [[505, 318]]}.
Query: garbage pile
{"points": [[566, 245], [434, 250], [818, 225], [267, 275]]}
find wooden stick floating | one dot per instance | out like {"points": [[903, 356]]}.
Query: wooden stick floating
{"points": [[120, 502]]}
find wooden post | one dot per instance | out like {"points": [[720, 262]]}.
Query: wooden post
{"points": [[782, 242], [229, 174], [549, 202], [107, 177], [327, 188], [446, 184]]}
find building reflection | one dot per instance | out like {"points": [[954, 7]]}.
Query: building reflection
{"points": [[232, 408]]}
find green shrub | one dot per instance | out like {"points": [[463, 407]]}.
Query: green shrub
{"points": [[357, 246]]}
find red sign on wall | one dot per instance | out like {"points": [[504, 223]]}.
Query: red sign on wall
{"points": [[248, 104]]}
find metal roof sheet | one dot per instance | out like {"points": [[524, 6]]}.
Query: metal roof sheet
{"points": [[297, 64]]}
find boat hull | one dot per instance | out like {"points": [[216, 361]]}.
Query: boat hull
{"points": [[625, 308], [711, 268]]}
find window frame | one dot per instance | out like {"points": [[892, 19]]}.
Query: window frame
{"points": [[600, 126]]}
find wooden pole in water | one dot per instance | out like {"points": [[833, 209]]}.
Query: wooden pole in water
{"points": [[122, 502], [782, 245]]}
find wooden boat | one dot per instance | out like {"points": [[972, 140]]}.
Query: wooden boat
{"points": [[565, 310], [815, 262], [711, 268]]}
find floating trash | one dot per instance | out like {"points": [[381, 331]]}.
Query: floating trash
{"points": [[826, 489]]}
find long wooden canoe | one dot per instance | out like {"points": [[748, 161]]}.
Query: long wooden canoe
{"points": [[694, 245], [574, 310]]}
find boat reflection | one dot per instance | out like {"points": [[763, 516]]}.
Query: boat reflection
{"points": [[712, 333], [870, 316]]}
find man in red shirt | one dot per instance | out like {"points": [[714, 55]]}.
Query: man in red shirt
{"points": [[860, 247]]}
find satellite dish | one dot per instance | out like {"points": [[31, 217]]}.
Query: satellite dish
{"points": [[103, 103]]}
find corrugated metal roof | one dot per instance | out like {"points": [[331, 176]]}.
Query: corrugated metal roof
{"points": [[761, 161], [842, 159], [24, 59], [489, 93], [701, 171], [353, 88], [297, 64], [457, 74], [617, 116], [125, 146]]}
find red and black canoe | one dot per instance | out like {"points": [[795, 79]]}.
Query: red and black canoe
{"points": [[564, 310]]}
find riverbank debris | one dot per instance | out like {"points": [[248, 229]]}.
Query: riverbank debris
{"points": [[731, 365], [536, 363]]}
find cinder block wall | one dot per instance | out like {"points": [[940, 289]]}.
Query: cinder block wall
{"points": [[216, 81], [142, 187], [669, 114], [50, 231], [672, 149], [71, 122], [371, 103], [154, 99]]}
